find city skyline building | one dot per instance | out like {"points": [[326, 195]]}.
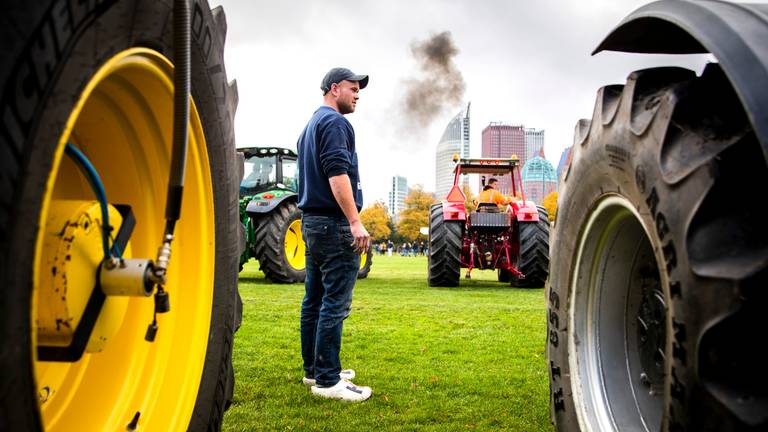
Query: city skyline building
{"points": [[501, 140], [534, 142], [539, 178], [455, 140], [397, 194]]}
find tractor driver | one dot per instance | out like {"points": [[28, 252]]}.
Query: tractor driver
{"points": [[491, 195]]}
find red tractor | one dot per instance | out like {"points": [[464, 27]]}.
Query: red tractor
{"points": [[513, 240]]}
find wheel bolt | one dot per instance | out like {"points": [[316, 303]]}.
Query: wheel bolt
{"points": [[644, 379], [43, 394]]}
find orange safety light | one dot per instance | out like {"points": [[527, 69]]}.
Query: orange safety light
{"points": [[267, 196], [456, 195]]}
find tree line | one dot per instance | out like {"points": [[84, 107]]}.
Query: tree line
{"points": [[411, 219]]}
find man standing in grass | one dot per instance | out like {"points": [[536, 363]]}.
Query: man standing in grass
{"points": [[330, 196]]}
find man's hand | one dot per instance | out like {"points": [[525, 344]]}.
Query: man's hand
{"points": [[362, 238], [342, 191]]}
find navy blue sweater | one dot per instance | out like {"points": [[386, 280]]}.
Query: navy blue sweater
{"points": [[326, 149]]}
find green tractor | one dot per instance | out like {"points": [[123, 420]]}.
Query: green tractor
{"points": [[271, 216]]}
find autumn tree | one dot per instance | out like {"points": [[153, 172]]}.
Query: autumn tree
{"points": [[416, 213], [376, 220], [550, 203], [469, 203]]}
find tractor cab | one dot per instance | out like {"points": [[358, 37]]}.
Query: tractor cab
{"points": [[488, 168], [268, 168]]}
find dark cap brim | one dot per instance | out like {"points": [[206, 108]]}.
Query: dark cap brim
{"points": [[361, 79]]}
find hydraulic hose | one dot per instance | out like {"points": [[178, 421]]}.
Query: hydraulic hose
{"points": [[98, 189], [181, 82], [182, 23]]}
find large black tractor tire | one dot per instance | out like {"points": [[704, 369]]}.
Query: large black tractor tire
{"points": [[534, 253], [366, 260], [277, 260], [657, 299], [444, 259], [51, 52]]}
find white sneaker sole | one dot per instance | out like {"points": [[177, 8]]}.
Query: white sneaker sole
{"points": [[348, 392]]}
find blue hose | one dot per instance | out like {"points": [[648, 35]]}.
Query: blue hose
{"points": [[98, 188]]}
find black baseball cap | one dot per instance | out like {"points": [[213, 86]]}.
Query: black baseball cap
{"points": [[337, 75]]}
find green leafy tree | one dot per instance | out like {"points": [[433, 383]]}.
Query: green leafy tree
{"points": [[377, 221], [415, 215]]}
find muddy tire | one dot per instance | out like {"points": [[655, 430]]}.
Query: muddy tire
{"points": [[365, 263], [97, 74], [659, 259], [279, 246], [534, 252], [444, 249]]}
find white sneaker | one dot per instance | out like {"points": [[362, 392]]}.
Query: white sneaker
{"points": [[343, 390], [346, 374]]}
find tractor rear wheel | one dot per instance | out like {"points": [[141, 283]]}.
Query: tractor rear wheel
{"points": [[279, 246], [444, 249], [99, 75], [657, 297], [533, 261]]}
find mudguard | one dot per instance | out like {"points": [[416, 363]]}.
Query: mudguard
{"points": [[454, 211], [259, 206], [526, 211], [735, 34]]}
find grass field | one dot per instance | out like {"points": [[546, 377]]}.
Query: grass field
{"points": [[438, 359]]}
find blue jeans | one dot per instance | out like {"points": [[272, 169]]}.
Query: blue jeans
{"points": [[332, 266]]}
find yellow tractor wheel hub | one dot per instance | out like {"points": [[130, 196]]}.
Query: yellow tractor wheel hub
{"points": [[72, 252], [294, 246]]}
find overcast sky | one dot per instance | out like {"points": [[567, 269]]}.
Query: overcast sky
{"points": [[522, 62]]}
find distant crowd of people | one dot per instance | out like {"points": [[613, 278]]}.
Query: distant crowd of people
{"points": [[404, 249]]}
